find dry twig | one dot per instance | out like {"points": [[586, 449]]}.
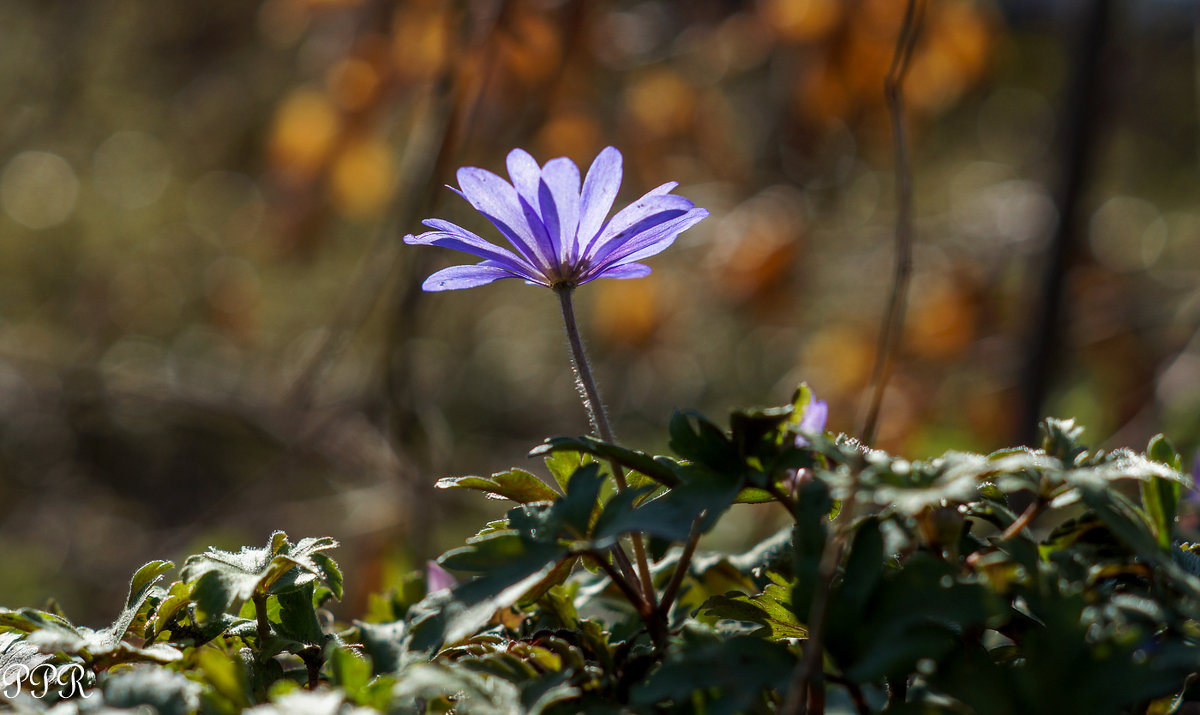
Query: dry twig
{"points": [[893, 323]]}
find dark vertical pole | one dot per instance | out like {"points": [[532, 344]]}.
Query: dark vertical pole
{"points": [[1078, 121]]}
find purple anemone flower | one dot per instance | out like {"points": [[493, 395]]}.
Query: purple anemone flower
{"points": [[816, 413], [557, 227]]}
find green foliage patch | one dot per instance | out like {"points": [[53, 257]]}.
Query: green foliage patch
{"points": [[1028, 580]]}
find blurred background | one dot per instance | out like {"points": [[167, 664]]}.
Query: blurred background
{"points": [[209, 328]]}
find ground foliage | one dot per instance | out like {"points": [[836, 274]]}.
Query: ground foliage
{"points": [[928, 591]]}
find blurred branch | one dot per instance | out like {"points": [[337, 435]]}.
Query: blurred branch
{"points": [[1078, 121], [465, 83], [426, 145], [893, 323], [448, 102]]}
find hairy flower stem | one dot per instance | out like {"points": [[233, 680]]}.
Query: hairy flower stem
{"points": [[260, 615], [590, 394], [584, 382]]}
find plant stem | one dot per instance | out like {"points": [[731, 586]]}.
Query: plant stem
{"points": [[784, 500], [584, 382], [893, 322], [590, 394], [260, 615], [681, 569], [1025, 519], [646, 610]]}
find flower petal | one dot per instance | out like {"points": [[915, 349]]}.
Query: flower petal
{"points": [[627, 270], [647, 243], [815, 416], [499, 202], [457, 277], [638, 216], [558, 198], [448, 235], [525, 173], [599, 190]]}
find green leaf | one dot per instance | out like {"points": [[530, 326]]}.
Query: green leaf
{"points": [[297, 619], [516, 484], [563, 464], [1060, 438], [445, 688], [139, 591], [754, 495], [331, 573], [383, 643], [917, 611], [759, 432], [863, 572], [1162, 450], [693, 437], [660, 469], [730, 675], [102, 648], [569, 518], [222, 579], [1160, 496], [511, 566], [670, 516], [151, 688], [771, 609], [17, 657], [349, 670], [813, 505], [1127, 523], [228, 676]]}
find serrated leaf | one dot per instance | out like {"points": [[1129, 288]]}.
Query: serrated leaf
{"points": [[695, 438], [17, 658], [562, 464], [139, 590], [771, 609], [955, 477], [1060, 438], [670, 516], [660, 469], [516, 484], [331, 573], [297, 618], [279, 567], [510, 567]]}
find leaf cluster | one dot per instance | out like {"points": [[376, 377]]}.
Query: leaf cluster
{"points": [[1027, 580]]}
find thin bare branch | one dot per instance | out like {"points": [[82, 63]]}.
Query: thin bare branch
{"points": [[893, 323]]}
